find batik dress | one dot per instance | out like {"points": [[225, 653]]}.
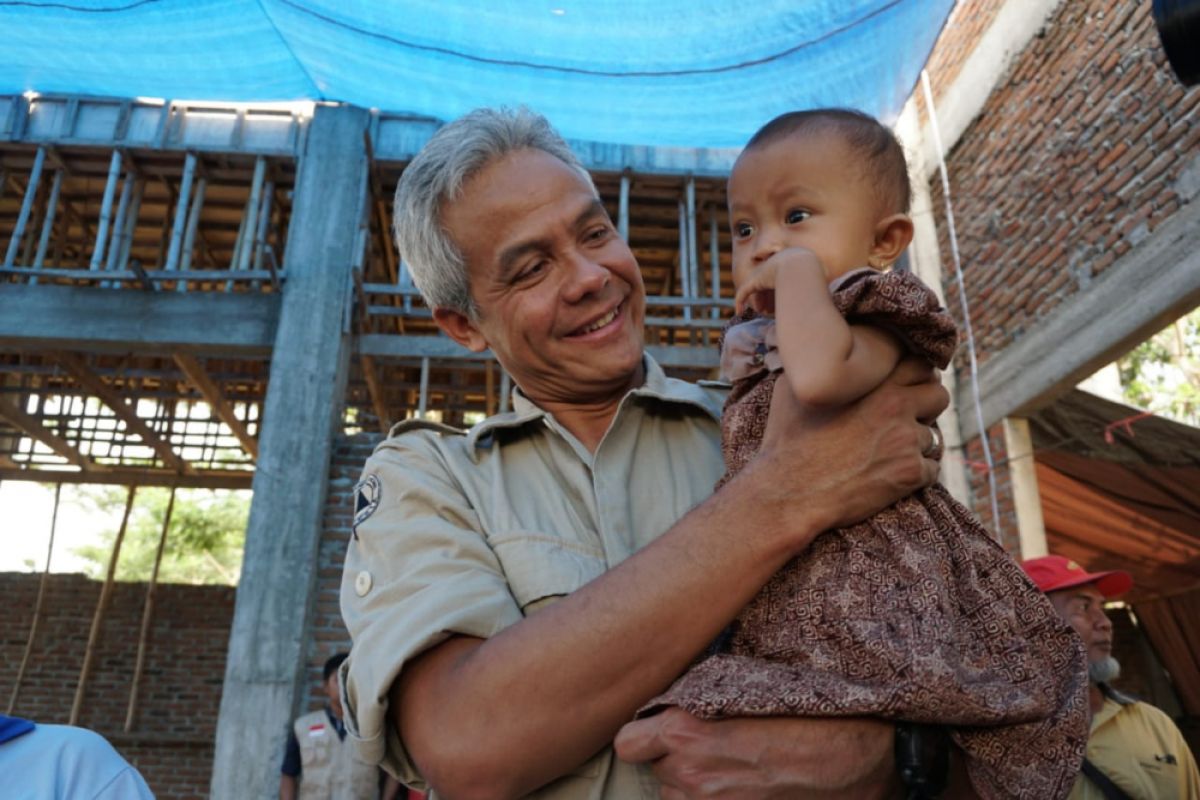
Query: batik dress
{"points": [[915, 614]]}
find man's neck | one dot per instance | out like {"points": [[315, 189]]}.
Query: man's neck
{"points": [[1095, 698], [589, 418]]}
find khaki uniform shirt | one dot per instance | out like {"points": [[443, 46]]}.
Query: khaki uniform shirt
{"points": [[1141, 750], [466, 533]]}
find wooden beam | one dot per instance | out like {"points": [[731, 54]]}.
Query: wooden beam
{"points": [[125, 476], [195, 373], [84, 318], [81, 372], [375, 390], [35, 429], [1141, 293]]}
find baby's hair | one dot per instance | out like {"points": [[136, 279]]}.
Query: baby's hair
{"points": [[862, 133]]}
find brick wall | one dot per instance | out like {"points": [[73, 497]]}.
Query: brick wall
{"points": [[980, 488], [328, 634], [171, 741], [1083, 149], [965, 26]]}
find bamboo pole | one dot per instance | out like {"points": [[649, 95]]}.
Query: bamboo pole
{"points": [[35, 177], [37, 606], [147, 615], [98, 618], [106, 208]]}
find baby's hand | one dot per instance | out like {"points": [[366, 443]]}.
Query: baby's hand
{"points": [[758, 291]]}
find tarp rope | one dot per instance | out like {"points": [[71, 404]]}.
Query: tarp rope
{"points": [[966, 311]]}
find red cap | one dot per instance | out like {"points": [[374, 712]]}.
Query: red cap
{"points": [[1053, 573]]}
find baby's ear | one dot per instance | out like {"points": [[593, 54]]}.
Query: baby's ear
{"points": [[892, 235]]}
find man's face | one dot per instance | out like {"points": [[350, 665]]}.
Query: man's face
{"points": [[335, 697], [559, 295], [1083, 608]]}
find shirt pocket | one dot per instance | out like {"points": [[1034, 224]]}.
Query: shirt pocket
{"points": [[538, 566]]}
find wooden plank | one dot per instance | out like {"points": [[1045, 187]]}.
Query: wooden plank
{"points": [[81, 372], [375, 390], [196, 373], [89, 654], [1142, 292], [35, 429], [100, 320], [265, 668]]}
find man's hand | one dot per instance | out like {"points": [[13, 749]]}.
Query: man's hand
{"points": [[763, 758], [852, 461]]}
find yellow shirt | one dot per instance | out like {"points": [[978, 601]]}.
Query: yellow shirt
{"points": [[1141, 750], [466, 533]]}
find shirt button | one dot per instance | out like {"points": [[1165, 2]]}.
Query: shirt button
{"points": [[362, 583]]}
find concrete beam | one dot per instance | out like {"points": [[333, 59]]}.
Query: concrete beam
{"points": [[195, 373], [91, 319], [266, 669], [385, 346], [1141, 293]]}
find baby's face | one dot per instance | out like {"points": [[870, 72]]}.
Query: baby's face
{"points": [[805, 190]]}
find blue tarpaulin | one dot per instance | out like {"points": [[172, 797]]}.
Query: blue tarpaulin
{"points": [[683, 73]]}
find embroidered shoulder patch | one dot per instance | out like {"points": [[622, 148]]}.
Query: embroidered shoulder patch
{"points": [[366, 500]]}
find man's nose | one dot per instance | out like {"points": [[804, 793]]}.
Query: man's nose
{"points": [[1102, 621], [585, 277]]}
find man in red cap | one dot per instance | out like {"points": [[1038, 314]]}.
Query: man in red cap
{"points": [[1135, 751]]}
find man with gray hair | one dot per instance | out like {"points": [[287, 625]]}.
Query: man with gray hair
{"points": [[1135, 751], [517, 591]]}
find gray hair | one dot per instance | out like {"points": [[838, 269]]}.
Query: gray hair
{"points": [[452, 156]]}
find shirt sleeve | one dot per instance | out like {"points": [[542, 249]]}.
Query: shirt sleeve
{"points": [[418, 570], [291, 755]]}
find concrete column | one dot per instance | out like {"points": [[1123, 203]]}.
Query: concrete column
{"points": [[265, 669], [1022, 474]]}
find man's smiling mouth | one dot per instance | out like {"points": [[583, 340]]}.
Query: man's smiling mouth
{"points": [[600, 323]]}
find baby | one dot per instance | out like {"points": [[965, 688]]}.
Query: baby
{"points": [[915, 614]]}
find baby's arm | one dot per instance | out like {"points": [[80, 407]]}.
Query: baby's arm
{"points": [[826, 361]]}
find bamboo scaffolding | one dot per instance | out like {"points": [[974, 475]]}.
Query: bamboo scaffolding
{"points": [[98, 618], [147, 615], [37, 606]]}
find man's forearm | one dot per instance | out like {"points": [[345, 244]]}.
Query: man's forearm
{"points": [[553, 689]]}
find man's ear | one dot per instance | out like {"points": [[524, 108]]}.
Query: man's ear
{"points": [[892, 235], [459, 327]]}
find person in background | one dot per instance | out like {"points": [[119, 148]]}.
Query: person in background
{"points": [[62, 762], [320, 764], [1135, 751]]}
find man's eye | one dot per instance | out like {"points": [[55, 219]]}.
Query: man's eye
{"points": [[797, 215], [599, 234], [531, 271]]}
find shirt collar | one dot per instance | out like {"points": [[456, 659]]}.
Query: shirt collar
{"points": [[657, 385]]}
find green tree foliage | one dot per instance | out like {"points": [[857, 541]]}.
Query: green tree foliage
{"points": [[1162, 374], [204, 543]]}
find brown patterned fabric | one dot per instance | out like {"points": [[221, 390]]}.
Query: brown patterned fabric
{"points": [[915, 614]]}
